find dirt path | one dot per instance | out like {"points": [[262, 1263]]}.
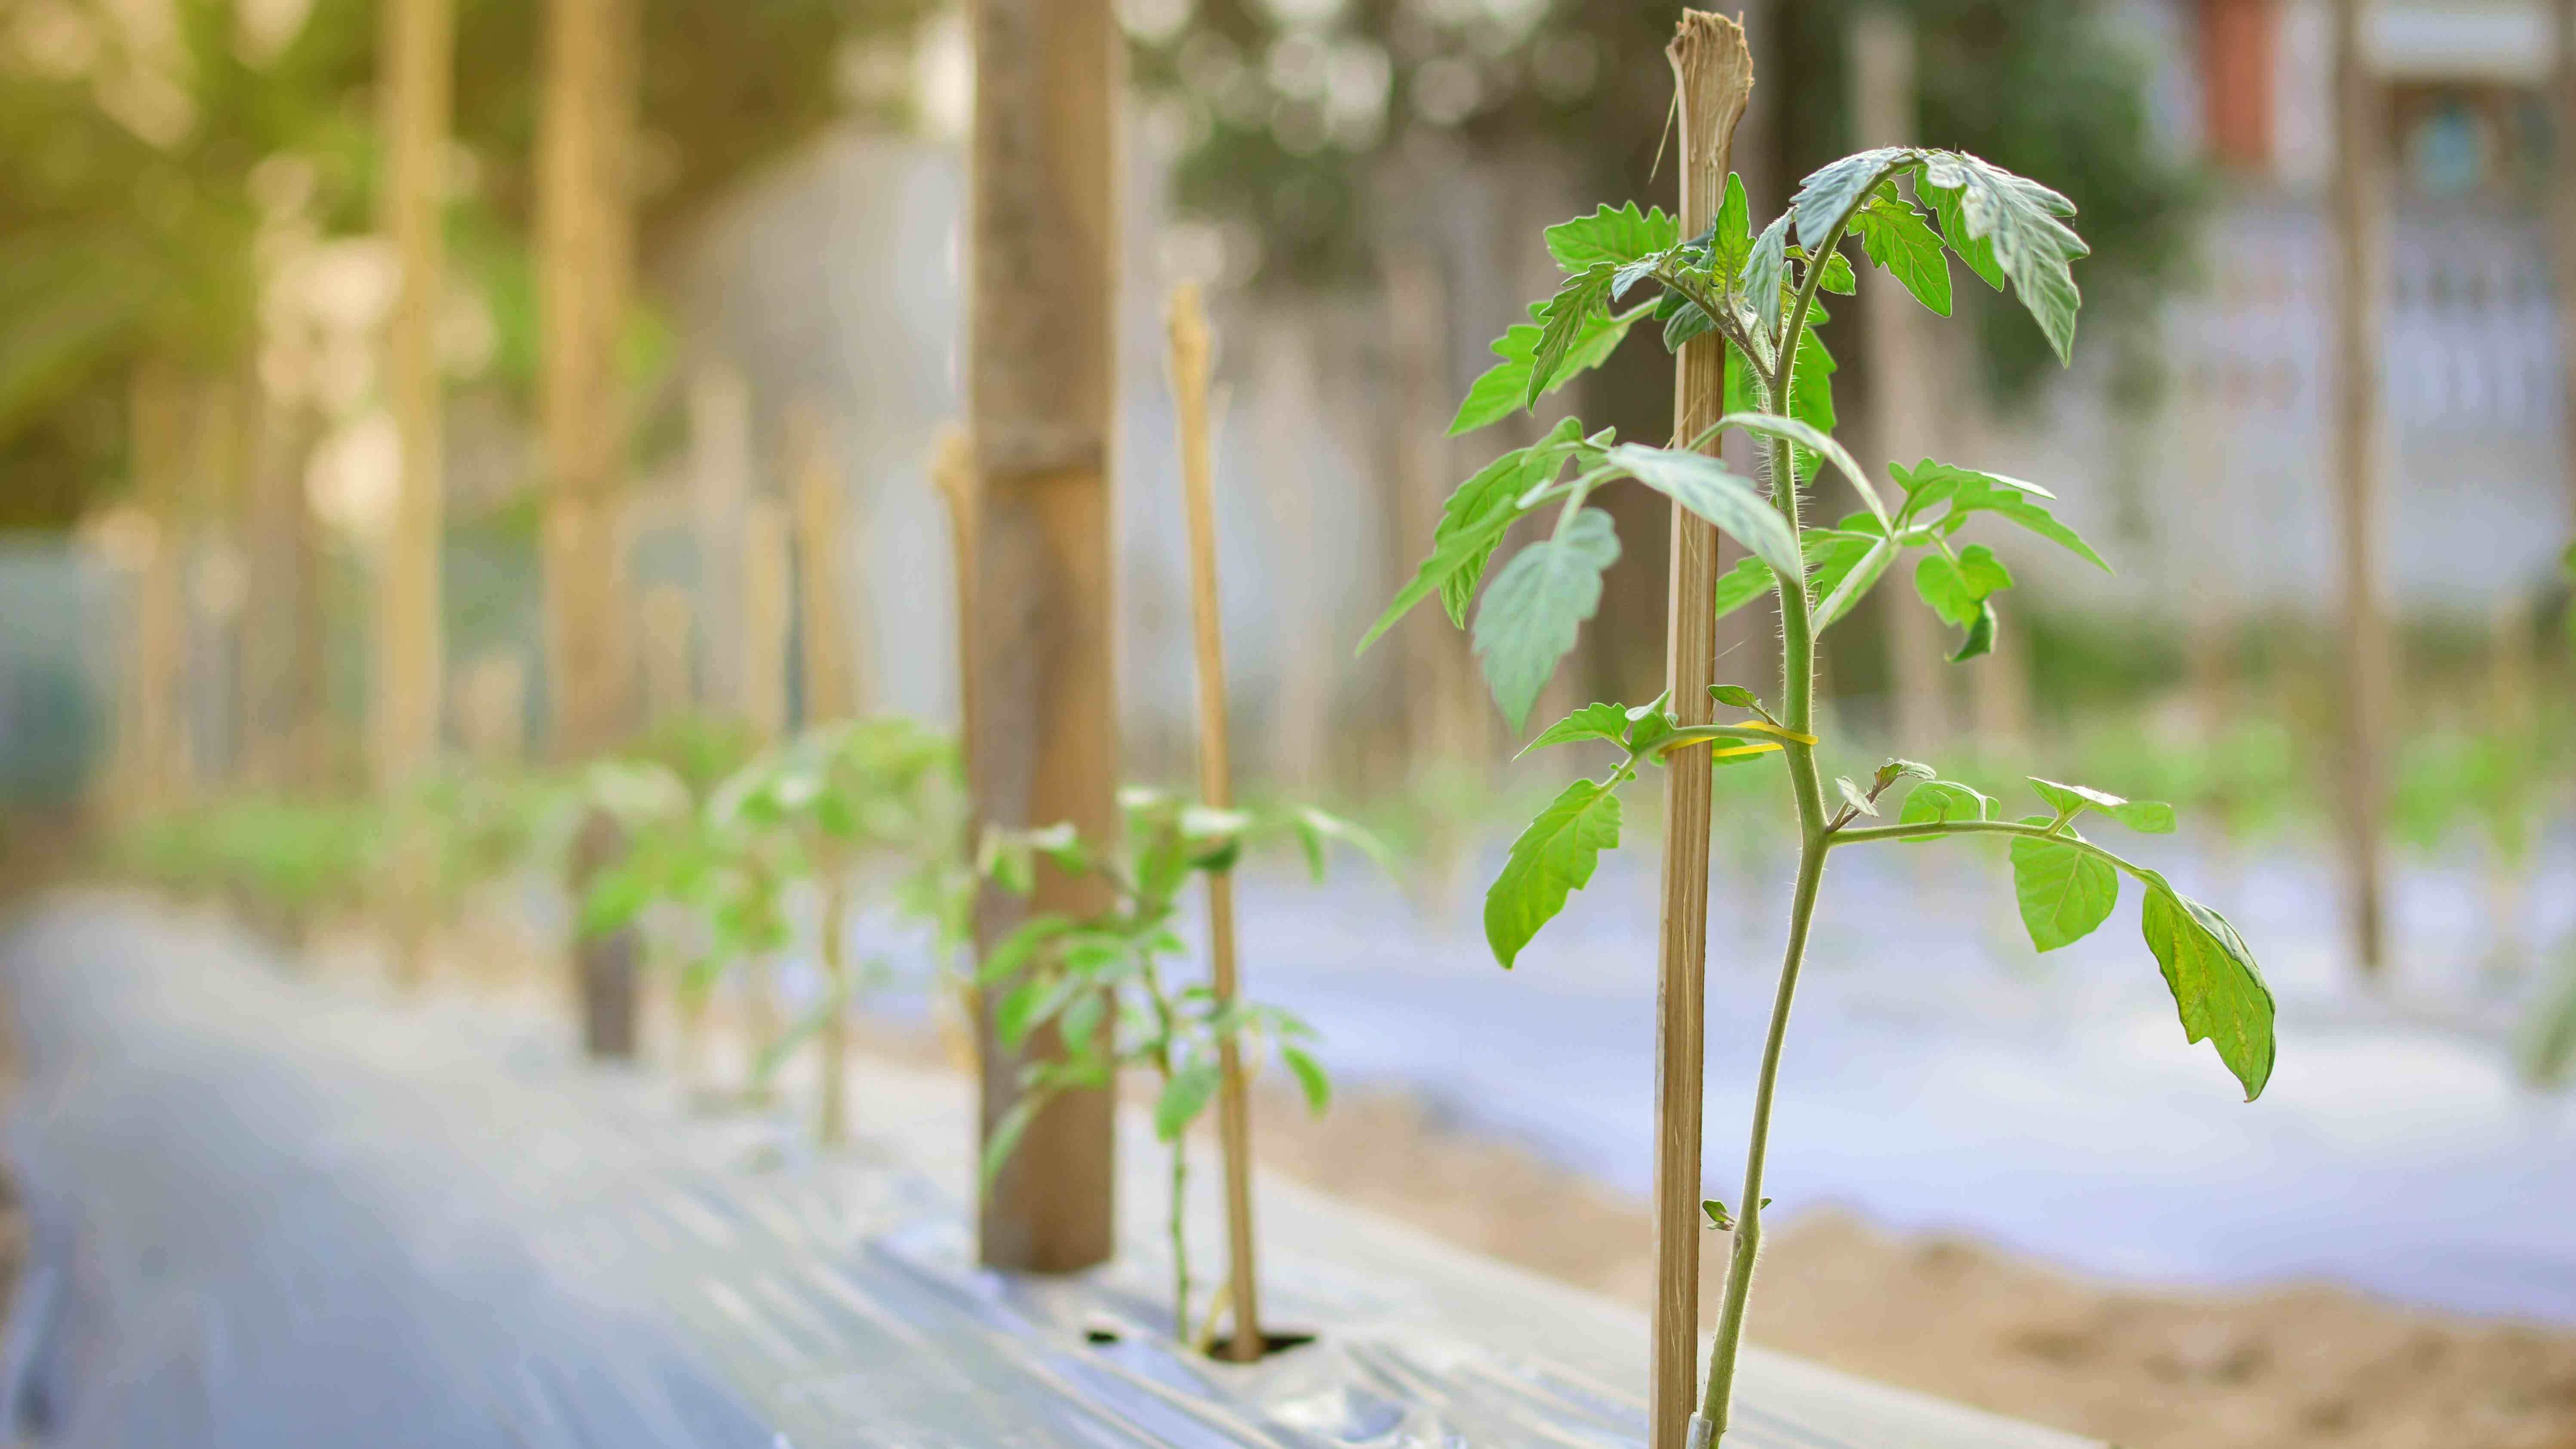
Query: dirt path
{"points": [[2291, 1368]]}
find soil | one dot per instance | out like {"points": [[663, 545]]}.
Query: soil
{"points": [[2284, 1368]]}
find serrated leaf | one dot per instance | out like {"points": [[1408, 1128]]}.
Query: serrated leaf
{"points": [[1731, 236], [1615, 236], [1703, 485], [1833, 188], [1504, 388], [1561, 319], [1538, 604], [1184, 1097], [1311, 1080], [2017, 220], [2065, 892], [1895, 238], [1553, 858], [1497, 488], [1938, 802], [2217, 988], [1938, 581], [1983, 573], [1749, 580], [1592, 722], [1838, 278]]}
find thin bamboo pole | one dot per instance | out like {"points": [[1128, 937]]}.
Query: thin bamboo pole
{"points": [[2362, 225], [1190, 367], [1714, 73]]}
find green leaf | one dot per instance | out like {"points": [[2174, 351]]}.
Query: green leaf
{"points": [[1736, 695], [1976, 252], [1703, 485], [2147, 817], [2073, 800], [1895, 770], [1473, 522], [1688, 322], [1897, 241], [1561, 320], [1981, 635], [1854, 796], [1731, 237], [1617, 237], [1184, 1097], [2217, 988], [1838, 278], [1939, 802], [2064, 891], [1983, 573], [1310, 1078], [1008, 1132], [1811, 393], [1552, 858], [2017, 220], [1749, 580], [1766, 268], [1504, 389], [1592, 722], [1834, 188], [1538, 604], [1939, 582], [1011, 954]]}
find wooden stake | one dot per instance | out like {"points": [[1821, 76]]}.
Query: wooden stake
{"points": [[420, 42], [831, 691], [1190, 368], [2361, 216], [1041, 368], [1714, 72]]}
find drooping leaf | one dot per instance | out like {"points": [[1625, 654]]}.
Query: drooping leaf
{"points": [[1967, 491], [2064, 891], [2017, 220], [1981, 634], [1498, 487], [1554, 857], [2216, 986], [1617, 236], [1184, 1097], [1938, 802], [1897, 241], [1311, 1080], [1843, 566], [1538, 604], [1815, 440], [1687, 322], [1504, 388], [1982, 572], [1467, 547], [1937, 580], [1749, 580], [1591, 722], [1703, 485], [1833, 188]]}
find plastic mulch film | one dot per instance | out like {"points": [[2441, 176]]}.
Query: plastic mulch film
{"points": [[268, 1213]]}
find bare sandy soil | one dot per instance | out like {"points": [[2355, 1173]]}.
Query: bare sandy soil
{"points": [[2301, 1367]]}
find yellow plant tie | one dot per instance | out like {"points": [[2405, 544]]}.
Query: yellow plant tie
{"points": [[1732, 751], [1768, 728]]}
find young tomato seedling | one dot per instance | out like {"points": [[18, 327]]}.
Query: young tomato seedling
{"points": [[1758, 291], [1106, 983]]}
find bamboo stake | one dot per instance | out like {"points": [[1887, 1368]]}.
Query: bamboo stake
{"points": [[952, 472], [1190, 366], [2362, 222], [1714, 73]]}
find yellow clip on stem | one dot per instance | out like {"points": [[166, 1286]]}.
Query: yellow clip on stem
{"points": [[1768, 728], [1733, 750]]}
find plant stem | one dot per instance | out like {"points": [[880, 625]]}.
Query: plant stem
{"points": [[1928, 830], [1180, 1241], [830, 1127]]}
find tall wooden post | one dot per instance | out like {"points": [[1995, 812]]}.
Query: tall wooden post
{"points": [[1714, 72], [585, 260], [2361, 225], [419, 61], [1901, 375], [1040, 374]]}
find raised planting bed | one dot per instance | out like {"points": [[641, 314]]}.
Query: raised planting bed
{"points": [[271, 1212]]}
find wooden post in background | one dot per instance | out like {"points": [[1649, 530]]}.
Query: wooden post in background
{"points": [[585, 261], [1190, 370], [1714, 73], [409, 652], [822, 595], [1040, 364], [2361, 223], [720, 469], [1901, 380]]}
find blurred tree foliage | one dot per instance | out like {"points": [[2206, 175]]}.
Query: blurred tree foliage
{"points": [[1293, 107], [148, 144]]}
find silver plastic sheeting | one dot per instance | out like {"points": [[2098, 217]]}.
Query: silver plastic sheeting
{"points": [[270, 1213]]}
